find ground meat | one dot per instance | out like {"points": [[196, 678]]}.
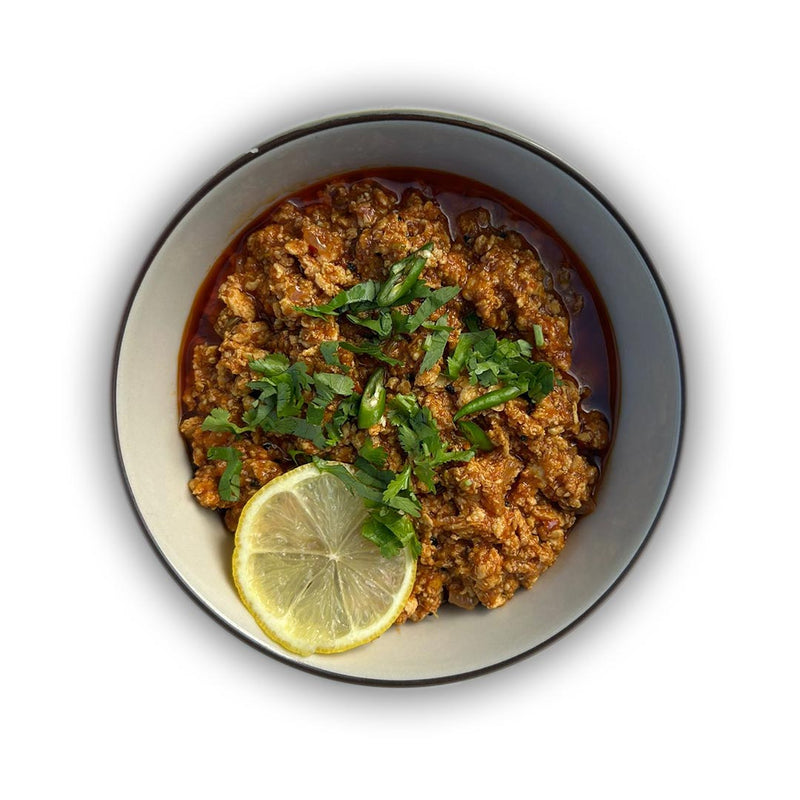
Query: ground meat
{"points": [[492, 524]]}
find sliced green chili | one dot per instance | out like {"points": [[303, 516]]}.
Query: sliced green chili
{"points": [[403, 276], [476, 435], [489, 400], [373, 401]]}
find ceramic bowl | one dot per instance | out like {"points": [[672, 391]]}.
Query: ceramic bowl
{"points": [[192, 541]]}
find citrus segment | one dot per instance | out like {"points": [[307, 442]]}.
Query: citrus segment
{"points": [[312, 582]]}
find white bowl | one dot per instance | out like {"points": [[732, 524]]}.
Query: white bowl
{"points": [[156, 468]]}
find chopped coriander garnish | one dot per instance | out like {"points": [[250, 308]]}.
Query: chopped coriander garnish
{"points": [[391, 531], [219, 421], [388, 497], [270, 365], [328, 384], [370, 349], [330, 355], [435, 343], [487, 359], [370, 295], [538, 379], [346, 411], [380, 325], [281, 400], [398, 494], [434, 301], [356, 297], [503, 363], [375, 455], [356, 485], [288, 400], [230, 479], [375, 531], [303, 429], [368, 304], [469, 343], [419, 437]]}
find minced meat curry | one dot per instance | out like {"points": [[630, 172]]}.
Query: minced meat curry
{"points": [[378, 322]]}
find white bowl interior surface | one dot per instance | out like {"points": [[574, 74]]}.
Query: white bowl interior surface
{"points": [[457, 643]]}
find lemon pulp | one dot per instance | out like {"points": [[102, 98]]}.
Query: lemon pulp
{"points": [[303, 570]]}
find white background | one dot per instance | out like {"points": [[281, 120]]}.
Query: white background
{"points": [[683, 683]]}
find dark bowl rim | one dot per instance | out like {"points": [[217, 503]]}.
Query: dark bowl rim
{"points": [[360, 117]]}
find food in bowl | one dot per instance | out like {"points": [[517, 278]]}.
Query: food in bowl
{"points": [[435, 337]]}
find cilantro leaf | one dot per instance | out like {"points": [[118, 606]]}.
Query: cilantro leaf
{"points": [[296, 426], [346, 476], [540, 379], [345, 411], [380, 325], [435, 343], [270, 365], [358, 296], [328, 384], [379, 534], [304, 429], [329, 353], [315, 411], [407, 502], [434, 301], [256, 416], [370, 349], [290, 386], [400, 525], [387, 495], [401, 482], [376, 455], [229, 481], [400, 287], [466, 344], [490, 361], [371, 475], [219, 421], [419, 437], [399, 495]]}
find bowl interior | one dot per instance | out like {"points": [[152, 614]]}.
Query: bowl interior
{"points": [[154, 459]]}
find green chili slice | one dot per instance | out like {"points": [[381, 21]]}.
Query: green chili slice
{"points": [[403, 276], [476, 435], [489, 400], [373, 401]]}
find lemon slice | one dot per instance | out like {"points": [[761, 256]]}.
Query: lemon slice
{"points": [[312, 582]]}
